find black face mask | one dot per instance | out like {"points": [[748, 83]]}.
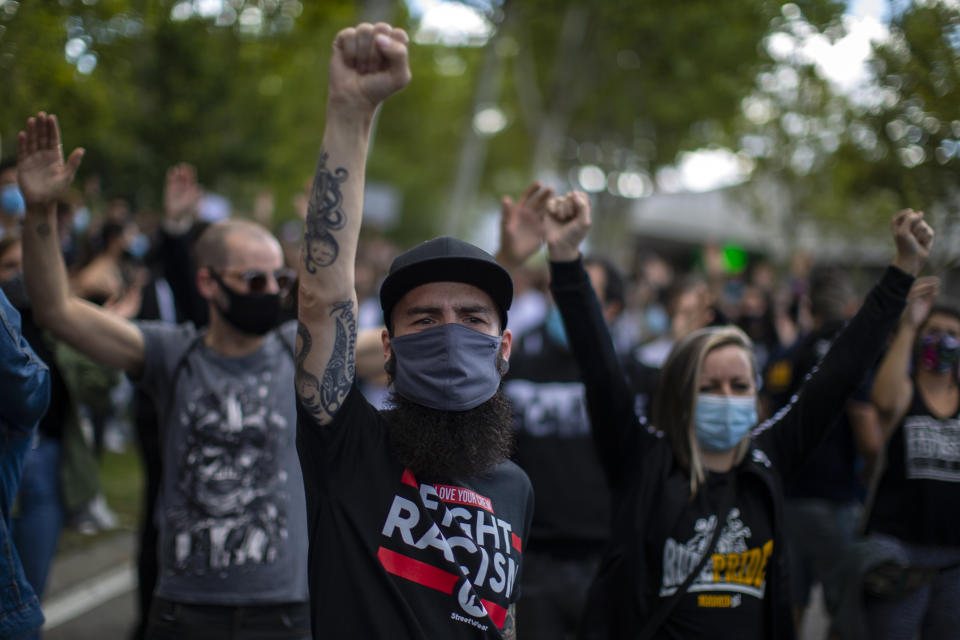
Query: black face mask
{"points": [[252, 313], [16, 292]]}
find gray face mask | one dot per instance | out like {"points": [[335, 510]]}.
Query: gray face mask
{"points": [[450, 367]]}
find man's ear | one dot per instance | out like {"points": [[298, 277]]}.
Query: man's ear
{"points": [[206, 285], [506, 342], [385, 339]]}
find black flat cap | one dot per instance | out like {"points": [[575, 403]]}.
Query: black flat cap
{"points": [[446, 259]]}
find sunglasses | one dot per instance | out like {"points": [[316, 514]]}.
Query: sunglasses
{"points": [[258, 281]]}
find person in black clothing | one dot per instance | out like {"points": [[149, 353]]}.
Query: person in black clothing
{"points": [[417, 519], [914, 514], [824, 497], [571, 521], [696, 549]]}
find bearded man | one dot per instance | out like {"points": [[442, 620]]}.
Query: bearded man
{"points": [[417, 519]]}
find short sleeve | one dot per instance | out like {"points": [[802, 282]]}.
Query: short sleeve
{"points": [[342, 447], [165, 345]]}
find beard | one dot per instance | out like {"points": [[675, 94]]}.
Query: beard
{"points": [[443, 445]]}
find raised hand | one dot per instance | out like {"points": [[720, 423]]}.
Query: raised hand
{"points": [[566, 225], [41, 171], [181, 193], [521, 224], [913, 238], [369, 64], [920, 300]]}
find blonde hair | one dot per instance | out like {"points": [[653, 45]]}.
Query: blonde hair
{"points": [[673, 404]]}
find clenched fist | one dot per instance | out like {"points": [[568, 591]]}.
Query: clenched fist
{"points": [[566, 225], [368, 65]]}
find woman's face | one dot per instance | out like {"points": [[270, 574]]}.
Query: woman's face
{"points": [[941, 323], [727, 371]]}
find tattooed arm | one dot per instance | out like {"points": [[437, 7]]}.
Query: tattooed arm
{"points": [[44, 177], [369, 63], [510, 624]]}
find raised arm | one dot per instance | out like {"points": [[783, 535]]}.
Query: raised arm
{"points": [[794, 431], [892, 390], [369, 63], [610, 402], [521, 225], [44, 177]]}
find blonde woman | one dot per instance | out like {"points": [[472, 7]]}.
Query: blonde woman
{"points": [[696, 549]]}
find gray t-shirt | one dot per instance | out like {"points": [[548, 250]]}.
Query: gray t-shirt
{"points": [[231, 513]]}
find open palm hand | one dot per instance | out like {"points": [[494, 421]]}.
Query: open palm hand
{"points": [[41, 171]]}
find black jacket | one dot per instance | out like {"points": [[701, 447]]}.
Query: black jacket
{"points": [[650, 487]]}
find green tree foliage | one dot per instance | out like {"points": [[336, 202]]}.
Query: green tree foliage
{"points": [[849, 162], [158, 89], [628, 85], [623, 84]]}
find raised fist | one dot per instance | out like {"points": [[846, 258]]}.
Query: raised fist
{"points": [[566, 225], [920, 300], [368, 65], [914, 239]]}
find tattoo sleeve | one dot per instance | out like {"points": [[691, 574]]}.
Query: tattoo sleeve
{"points": [[308, 386], [510, 624], [324, 397], [324, 214]]}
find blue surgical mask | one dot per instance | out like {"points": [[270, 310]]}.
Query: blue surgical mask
{"points": [[81, 219], [139, 246], [450, 367], [553, 324], [11, 201], [656, 319], [721, 422]]}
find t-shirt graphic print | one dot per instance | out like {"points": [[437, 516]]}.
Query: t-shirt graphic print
{"points": [[229, 472], [394, 557], [450, 539], [932, 448], [735, 566], [726, 599]]}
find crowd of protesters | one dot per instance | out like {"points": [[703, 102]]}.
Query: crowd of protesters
{"points": [[343, 439]]}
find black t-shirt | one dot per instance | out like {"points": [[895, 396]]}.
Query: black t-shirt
{"points": [[727, 599], [554, 445], [919, 491], [391, 557]]}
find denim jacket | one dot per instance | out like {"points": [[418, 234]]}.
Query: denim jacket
{"points": [[24, 396]]}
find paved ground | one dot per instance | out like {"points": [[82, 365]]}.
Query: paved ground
{"points": [[92, 595]]}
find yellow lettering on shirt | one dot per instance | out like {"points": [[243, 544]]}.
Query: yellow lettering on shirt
{"points": [[748, 567], [710, 601]]}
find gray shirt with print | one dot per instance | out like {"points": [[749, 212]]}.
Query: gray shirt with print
{"points": [[231, 514]]}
